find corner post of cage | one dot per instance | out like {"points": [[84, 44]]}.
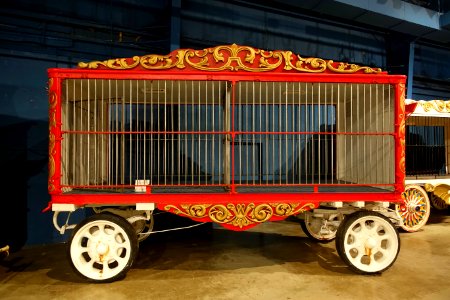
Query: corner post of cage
{"points": [[54, 163], [400, 119]]}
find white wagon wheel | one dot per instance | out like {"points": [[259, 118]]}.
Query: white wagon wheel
{"points": [[321, 229], [103, 247], [415, 210], [368, 242]]}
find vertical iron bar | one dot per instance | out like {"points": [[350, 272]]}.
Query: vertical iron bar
{"points": [[144, 140], [266, 129], [130, 134], [164, 128], [377, 130], [74, 137], [365, 167], [82, 162], [179, 136], [172, 135], [299, 119], [213, 124], [319, 153], [152, 130], [253, 134], [279, 130], [260, 137], [193, 129], [109, 140], [285, 132], [240, 124], [206, 135], [199, 129], [307, 129], [334, 121], [346, 175]]}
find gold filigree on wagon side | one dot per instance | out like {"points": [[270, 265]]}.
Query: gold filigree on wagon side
{"points": [[239, 215], [229, 58], [440, 106], [115, 63], [402, 128], [53, 101], [350, 68], [51, 163]]}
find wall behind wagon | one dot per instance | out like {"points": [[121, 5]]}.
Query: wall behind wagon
{"points": [[225, 22], [35, 36]]}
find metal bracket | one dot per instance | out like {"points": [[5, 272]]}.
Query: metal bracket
{"points": [[62, 229]]}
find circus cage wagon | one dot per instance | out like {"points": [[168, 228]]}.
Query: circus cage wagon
{"points": [[229, 134], [427, 160]]}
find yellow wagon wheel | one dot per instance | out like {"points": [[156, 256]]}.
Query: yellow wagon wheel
{"points": [[440, 197], [437, 203], [415, 210]]}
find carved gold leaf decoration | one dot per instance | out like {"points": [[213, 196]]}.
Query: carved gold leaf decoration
{"points": [[402, 128], [53, 101], [350, 68], [51, 162], [440, 106], [427, 106], [157, 62], [116, 63], [241, 214], [229, 58], [310, 65], [429, 187]]}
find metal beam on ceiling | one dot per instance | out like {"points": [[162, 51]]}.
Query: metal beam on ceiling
{"points": [[400, 10], [445, 20]]}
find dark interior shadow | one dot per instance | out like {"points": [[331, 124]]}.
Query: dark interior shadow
{"points": [[17, 167], [211, 247], [439, 216]]}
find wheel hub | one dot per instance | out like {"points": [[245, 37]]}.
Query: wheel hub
{"points": [[370, 243], [412, 208], [102, 248]]}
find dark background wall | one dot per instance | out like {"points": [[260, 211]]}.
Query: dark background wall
{"points": [[402, 37]]}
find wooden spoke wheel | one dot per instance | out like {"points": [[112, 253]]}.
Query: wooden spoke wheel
{"points": [[102, 247], [415, 210], [367, 242]]}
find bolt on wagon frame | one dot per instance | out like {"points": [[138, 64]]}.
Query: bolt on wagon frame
{"points": [[232, 135]]}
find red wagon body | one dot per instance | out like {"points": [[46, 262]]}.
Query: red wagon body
{"points": [[230, 134]]}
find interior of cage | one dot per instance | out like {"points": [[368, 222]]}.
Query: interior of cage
{"points": [[427, 146], [213, 134]]}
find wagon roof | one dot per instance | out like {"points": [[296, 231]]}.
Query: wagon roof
{"points": [[231, 58]]}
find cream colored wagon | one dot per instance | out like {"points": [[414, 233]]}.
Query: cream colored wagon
{"points": [[427, 161]]}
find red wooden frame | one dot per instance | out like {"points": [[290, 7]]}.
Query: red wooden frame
{"points": [[233, 63]]}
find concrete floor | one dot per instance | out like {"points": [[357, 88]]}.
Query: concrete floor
{"points": [[272, 261]]}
